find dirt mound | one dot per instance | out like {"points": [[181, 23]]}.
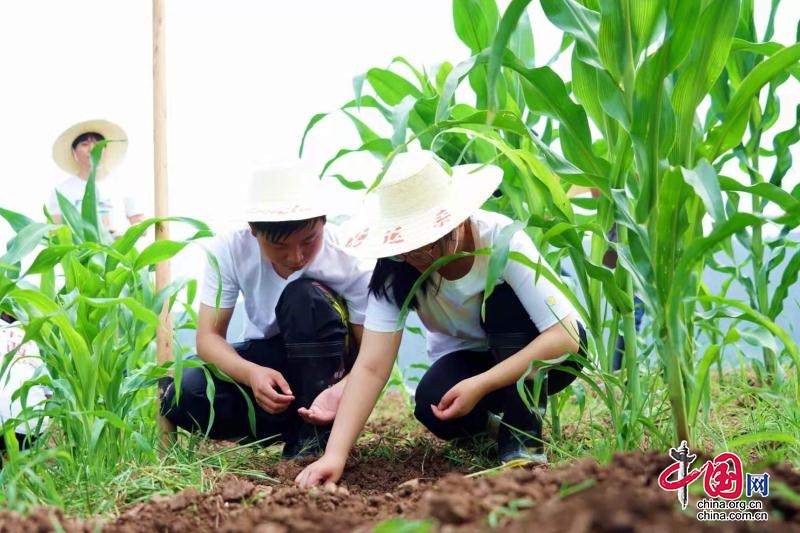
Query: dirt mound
{"points": [[585, 496]]}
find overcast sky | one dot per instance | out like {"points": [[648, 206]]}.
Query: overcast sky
{"points": [[244, 77]]}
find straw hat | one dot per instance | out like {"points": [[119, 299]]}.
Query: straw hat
{"points": [[417, 202], [112, 154], [281, 192]]}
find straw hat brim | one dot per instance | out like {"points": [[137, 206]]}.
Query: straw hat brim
{"points": [[113, 153], [282, 213], [373, 234]]}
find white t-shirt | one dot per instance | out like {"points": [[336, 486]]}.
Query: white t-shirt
{"points": [[244, 270], [452, 316], [115, 201]]}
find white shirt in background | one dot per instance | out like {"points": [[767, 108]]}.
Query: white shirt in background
{"points": [[116, 200]]}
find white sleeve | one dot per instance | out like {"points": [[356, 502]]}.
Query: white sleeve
{"points": [[545, 303], [132, 206], [52, 203], [382, 315], [132, 200], [230, 286]]}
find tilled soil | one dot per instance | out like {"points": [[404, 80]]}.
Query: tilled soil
{"points": [[584, 496], [422, 482]]}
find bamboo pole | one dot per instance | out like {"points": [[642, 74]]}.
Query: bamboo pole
{"points": [[163, 274]]}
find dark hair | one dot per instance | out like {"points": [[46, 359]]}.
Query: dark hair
{"points": [[278, 231], [89, 135], [393, 280]]}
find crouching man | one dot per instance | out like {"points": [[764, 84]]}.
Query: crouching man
{"points": [[304, 303]]}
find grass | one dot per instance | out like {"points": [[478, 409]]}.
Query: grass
{"points": [[737, 409], [393, 435]]}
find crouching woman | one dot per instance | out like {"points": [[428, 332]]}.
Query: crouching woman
{"points": [[420, 212]]}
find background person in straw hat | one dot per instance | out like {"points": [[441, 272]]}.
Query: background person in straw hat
{"points": [[304, 300], [419, 213], [116, 204]]}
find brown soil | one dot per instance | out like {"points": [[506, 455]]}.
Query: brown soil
{"points": [[423, 482]]}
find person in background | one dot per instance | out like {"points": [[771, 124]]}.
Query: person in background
{"points": [[24, 365], [420, 212], [304, 300], [117, 205]]}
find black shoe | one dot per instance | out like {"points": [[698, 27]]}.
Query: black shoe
{"points": [[308, 441], [514, 445]]}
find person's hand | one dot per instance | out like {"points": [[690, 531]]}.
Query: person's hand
{"points": [[323, 410], [325, 470], [459, 400], [271, 390]]}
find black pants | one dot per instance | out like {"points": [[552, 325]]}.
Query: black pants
{"points": [[509, 328], [312, 352]]}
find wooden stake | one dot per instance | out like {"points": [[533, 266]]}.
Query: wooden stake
{"points": [[163, 275]]}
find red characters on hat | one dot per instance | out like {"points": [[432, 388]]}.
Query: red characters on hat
{"points": [[355, 241], [442, 216], [394, 236], [287, 210]]}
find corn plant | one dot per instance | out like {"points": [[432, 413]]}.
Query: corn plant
{"points": [[89, 303], [654, 108]]}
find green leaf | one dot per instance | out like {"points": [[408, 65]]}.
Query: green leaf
{"points": [[585, 89], [703, 179], [498, 260], [646, 16], [698, 249], [615, 38], [404, 525], [730, 132], [128, 241], [710, 356], [157, 252], [352, 185], [71, 217], [653, 120], [400, 119], [49, 257], [670, 224], [707, 58], [311, 123], [770, 30], [140, 312], [475, 22], [89, 201], [365, 132], [28, 238], [451, 84], [514, 12], [503, 120], [579, 21], [391, 87], [767, 191], [17, 221], [762, 49], [422, 79], [528, 166], [439, 73], [788, 280], [522, 43], [546, 93], [378, 147], [782, 143]]}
